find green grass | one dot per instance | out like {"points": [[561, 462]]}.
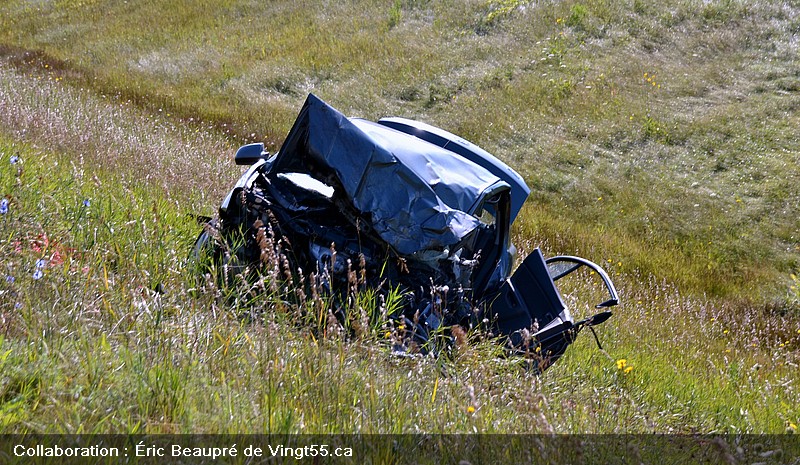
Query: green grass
{"points": [[589, 100], [659, 139]]}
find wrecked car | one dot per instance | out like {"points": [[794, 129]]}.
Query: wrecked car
{"points": [[410, 207]]}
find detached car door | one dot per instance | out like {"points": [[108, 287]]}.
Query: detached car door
{"points": [[529, 310]]}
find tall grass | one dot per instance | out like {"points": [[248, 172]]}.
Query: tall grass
{"points": [[677, 115], [658, 139]]}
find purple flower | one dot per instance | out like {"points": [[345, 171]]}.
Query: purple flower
{"points": [[37, 274], [3, 206], [41, 263], [86, 203], [14, 159], [9, 279]]}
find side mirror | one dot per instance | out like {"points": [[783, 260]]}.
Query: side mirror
{"points": [[600, 318], [608, 303], [596, 319], [250, 153]]}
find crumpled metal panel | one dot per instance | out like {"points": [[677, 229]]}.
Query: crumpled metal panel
{"points": [[468, 150], [416, 195]]}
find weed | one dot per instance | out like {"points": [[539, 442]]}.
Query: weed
{"points": [[395, 14], [577, 16]]}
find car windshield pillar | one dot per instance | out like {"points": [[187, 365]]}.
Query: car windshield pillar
{"points": [[495, 251]]}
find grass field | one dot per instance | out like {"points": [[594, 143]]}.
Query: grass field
{"points": [[659, 139]]}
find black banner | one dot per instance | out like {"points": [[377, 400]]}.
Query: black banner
{"points": [[417, 449]]}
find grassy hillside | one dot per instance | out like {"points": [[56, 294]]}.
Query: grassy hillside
{"points": [[659, 138], [672, 125]]}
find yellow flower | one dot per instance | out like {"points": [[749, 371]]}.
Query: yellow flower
{"points": [[627, 370], [621, 364], [792, 427], [471, 409]]}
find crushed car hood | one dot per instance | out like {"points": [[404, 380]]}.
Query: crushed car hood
{"points": [[417, 196]]}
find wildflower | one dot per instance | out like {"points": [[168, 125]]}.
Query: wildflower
{"points": [[3, 206], [14, 159], [9, 279], [471, 409], [86, 203], [39, 265], [622, 365], [792, 427]]}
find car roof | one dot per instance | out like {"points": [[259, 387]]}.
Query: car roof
{"points": [[468, 150], [459, 182], [418, 195]]}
